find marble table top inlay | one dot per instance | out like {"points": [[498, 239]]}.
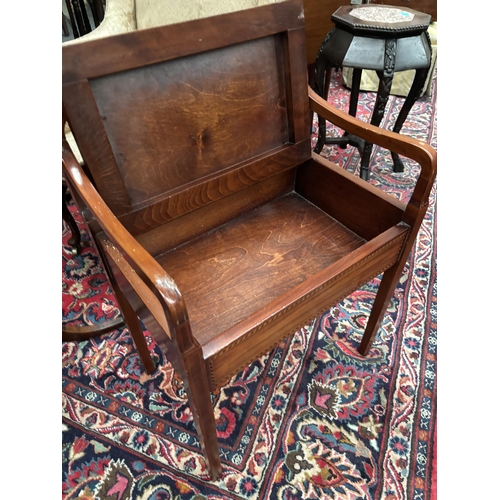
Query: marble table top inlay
{"points": [[382, 15]]}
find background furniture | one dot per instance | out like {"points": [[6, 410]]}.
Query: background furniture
{"points": [[402, 81], [381, 38], [80, 22], [218, 226], [318, 22], [75, 239]]}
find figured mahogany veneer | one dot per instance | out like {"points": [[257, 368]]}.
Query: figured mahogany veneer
{"points": [[269, 251], [218, 226]]}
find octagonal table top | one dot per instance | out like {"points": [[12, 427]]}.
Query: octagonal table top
{"points": [[380, 19]]}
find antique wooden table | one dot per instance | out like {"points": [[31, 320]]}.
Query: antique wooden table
{"points": [[383, 38]]}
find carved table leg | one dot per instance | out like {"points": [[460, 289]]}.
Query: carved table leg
{"points": [[413, 95], [347, 138], [356, 82], [377, 115], [320, 86], [384, 89]]}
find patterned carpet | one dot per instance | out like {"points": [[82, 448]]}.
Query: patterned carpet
{"points": [[312, 419]]}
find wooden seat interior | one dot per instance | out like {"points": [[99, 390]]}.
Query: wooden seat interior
{"points": [[218, 226], [243, 265]]}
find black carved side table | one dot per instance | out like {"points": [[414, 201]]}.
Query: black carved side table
{"points": [[383, 38]]}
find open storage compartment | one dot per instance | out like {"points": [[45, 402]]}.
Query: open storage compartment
{"points": [[218, 226]]}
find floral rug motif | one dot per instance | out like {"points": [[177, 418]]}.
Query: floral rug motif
{"points": [[312, 419]]}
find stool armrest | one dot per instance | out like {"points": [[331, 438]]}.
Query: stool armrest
{"points": [[146, 271], [424, 154]]}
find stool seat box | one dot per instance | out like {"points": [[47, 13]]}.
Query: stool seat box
{"points": [[218, 226]]}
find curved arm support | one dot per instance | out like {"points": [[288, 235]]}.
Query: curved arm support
{"points": [[152, 275], [421, 152]]}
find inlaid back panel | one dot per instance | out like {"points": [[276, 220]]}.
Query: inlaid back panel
{"points": [[172, 123], [173, 118]]}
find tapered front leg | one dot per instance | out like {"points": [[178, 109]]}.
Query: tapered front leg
{"points": [[190, 366], [388, 284], [384, 295], [355, 84], [384, 88], [171, 330], [197, 387]]}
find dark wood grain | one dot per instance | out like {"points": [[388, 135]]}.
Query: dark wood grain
{"points": [[332, 189], [198, 222], [252, 337], [177, 113], [144, 47], [81, 109], [183, 121], [215, 188], [218, 227], [250, 261]]}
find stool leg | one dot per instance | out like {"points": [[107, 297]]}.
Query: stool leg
{"points": [[384, 88], [413, 95], [134, 327], [129, 315]]}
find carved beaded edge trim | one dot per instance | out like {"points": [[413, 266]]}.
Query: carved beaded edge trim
{"points": [[367, 27], [290, 332]]}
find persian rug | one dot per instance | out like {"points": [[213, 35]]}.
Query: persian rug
{"points": [[312, 419]]}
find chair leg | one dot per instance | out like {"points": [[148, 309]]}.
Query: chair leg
{"points": [[134, 326], [130, 317], [384, 88], [186, 358], [386, 289], [198, 391], [385, 292], [190, 366]]}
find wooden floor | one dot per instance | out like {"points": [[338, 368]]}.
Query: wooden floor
{"points": [[234, 270]]}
